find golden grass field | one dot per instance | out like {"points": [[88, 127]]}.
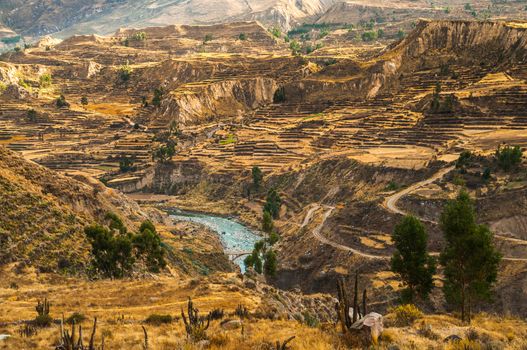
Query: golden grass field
{"points": [[122, 306]]}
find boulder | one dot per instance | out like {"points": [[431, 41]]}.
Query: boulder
{"points": [[231, 324]]}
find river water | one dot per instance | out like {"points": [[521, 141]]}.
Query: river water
{"points": [[235, 237]]}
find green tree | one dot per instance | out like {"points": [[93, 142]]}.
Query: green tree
{"points": [[273, 203], [148, 245], [267, 222], [469, 257], [165, 152], [158, 97], [61, 102], [270, 263], [112, 254], [411, 260], [207, 38], [242, 36], [257, 178], [508, 157], [32, 115], [436, 102]]}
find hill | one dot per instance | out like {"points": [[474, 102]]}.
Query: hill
{"points": [[104, 17]]}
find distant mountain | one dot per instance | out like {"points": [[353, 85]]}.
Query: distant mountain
{"points": [[64, 18]]}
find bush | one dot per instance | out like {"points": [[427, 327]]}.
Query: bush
{"points": [[77, 317], [112, 254], [45, 80], [279, 95], [310, 320], [148, 245], [124, 73], [508, 157], [42, 321], [61, 102], [157, 320], [369, 36], [405, 315], [464, 159]]}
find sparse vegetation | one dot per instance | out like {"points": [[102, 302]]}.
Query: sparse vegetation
{"points": [[84, 101], [124, 73], [45, 80], [61, 102], [158, 320], [406, 315]]}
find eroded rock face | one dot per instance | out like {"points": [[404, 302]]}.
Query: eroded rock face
{"points": [[225, 98], [467, 39]]}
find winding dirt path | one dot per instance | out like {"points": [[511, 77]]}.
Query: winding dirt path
{"points": [[318, 235], [389, 203]]}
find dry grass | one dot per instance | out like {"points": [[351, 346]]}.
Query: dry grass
{"points": [[123, 306]]}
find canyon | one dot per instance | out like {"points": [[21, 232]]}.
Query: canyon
{"points": [[352, 134]]}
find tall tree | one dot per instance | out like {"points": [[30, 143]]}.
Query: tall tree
{"points": [[469, 258], [257, 178], [273, 203], [267, 222], [411, 260]]}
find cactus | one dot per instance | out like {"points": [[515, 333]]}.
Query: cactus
{"points": [[43, 318], [353, 335], [344, 304], [283, 346], [195, 326], [241, 311], [43, 308], [68, 341]]}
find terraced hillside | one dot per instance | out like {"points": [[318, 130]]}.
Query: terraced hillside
{"points": [[334, 130]]}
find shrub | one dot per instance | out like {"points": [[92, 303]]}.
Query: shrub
{"points": [[112, 254], [32, 115], [43, 318], [45, 80], [139, 36], [157, 320], [508, 157], [310, 320], [148, 245], [279, 95], [216, 314], [158, 96], [125, 73], [463, 159], [61, 102], [207, 38], [369, 36], [242, 37], [406, 314], [464, 344], [76, 317]]}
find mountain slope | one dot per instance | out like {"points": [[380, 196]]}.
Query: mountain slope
{"points": [[43, 214], [105, 16]]}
